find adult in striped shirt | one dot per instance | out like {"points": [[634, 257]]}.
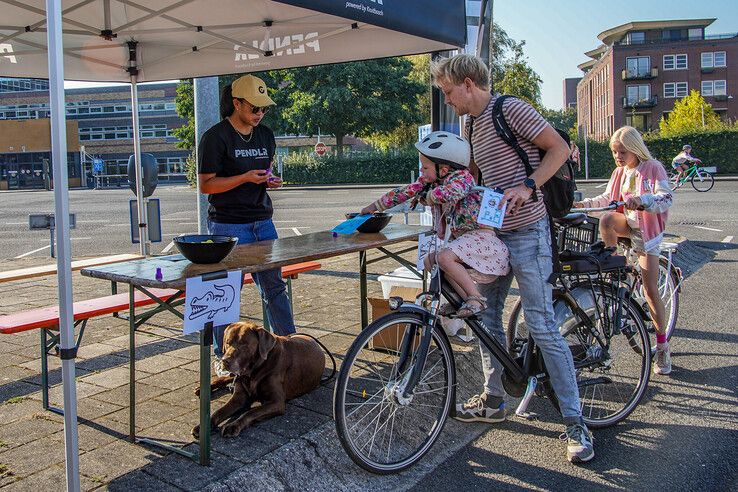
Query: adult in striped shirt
{"points": [[465, 82]]}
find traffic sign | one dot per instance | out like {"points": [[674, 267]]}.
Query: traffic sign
{"points": [[321, 149]]}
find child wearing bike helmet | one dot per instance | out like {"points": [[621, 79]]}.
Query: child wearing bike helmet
{"points": [[684, 160], [640, 181], [472, 253]]}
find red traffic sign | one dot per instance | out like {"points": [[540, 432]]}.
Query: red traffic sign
{"points": [[321, 149]]}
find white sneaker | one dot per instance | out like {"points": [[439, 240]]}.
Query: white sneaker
{"points": [[662, 361]]}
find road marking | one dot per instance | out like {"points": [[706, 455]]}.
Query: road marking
{"points": [[79, 238], [296, 231], [95, 221], [601, 185], [709, 229], [285, 221], [31, 252], [16, 223], [189, 223], [727, 239], [175, 219]]}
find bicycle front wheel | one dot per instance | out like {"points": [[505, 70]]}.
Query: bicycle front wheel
{"points": [[702, 180], [380, 429], [613, 377]]}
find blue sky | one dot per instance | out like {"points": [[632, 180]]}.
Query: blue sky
{"points": [[557, 33]]}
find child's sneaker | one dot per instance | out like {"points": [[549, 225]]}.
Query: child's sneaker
{"points": [[475, 409], [662, 361], [579, 445]]}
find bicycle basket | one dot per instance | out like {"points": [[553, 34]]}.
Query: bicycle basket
{"points": [[580, 238]]}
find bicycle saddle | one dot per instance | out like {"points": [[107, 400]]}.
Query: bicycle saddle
{"points": [[572, 220]]}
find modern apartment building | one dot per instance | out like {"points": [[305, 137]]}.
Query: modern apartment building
{"points": [[642, 68]]}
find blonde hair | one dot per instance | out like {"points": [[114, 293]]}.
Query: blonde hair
{"points": [[458, 68], [632, 140]]}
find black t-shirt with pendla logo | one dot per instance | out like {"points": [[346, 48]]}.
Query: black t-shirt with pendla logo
{"points": [[222, 151]]}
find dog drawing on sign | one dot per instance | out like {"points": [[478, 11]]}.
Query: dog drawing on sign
{"points": [[269, 369]]}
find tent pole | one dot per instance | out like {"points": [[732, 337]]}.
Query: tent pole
{"points": [[207, 114], [144, 246], [63, 260]]}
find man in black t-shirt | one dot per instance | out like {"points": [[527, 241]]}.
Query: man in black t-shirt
{"points": [[234, 166]]}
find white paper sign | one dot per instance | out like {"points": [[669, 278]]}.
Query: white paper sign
{"points": [[489, 214], [426, 244], [218, 301]]}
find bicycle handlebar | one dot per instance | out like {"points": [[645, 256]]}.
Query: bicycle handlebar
{"points": [[611, 206]]}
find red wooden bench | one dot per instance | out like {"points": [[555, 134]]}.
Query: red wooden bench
{"points": [[47, 319]]}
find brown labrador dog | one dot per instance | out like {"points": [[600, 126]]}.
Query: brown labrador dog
{"points": [[269, 369]]}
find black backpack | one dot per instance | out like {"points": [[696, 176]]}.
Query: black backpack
{"points": [[558, 192]]}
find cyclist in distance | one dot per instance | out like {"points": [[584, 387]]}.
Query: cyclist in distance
{"points": [[640, 181], [683, 161]]}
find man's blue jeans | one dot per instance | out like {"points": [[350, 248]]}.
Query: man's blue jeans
{"points": [[530, 262], [271, 286]]}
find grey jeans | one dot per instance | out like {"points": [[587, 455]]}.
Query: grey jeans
{"points": [[530, 262]]}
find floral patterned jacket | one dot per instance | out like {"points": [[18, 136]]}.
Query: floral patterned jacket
{"points": [[452, 199]]}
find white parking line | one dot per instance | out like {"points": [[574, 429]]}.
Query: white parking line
{"points": [[16, 223], [92, 221], [601, 185], [168, 248], [31, 252], [727, 239], [296, 231], [709, 229]]}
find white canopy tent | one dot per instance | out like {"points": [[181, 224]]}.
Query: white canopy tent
{"points": [[135, 41]]}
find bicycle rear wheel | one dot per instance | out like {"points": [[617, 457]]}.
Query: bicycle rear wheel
{"points": [[380, 430], [702, 180], [611, 378]]}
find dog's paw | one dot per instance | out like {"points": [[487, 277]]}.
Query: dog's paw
{"points": [[196, 432], [230, 430], [197, 391]]}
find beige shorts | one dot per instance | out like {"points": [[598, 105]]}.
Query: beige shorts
{"points": [[637, 245]]}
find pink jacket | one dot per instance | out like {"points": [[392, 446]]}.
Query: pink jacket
{"points": [[653, 189]]}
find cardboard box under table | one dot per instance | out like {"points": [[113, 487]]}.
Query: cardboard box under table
{"points": [[389, 339]]}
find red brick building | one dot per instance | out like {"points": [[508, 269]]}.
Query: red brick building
{"points": [[642, 68]]}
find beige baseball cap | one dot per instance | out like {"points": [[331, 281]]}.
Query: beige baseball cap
{"points": [[253, 89]]}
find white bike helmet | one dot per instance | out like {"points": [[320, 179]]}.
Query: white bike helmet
{"points": [[444, 148], [687, 147]]}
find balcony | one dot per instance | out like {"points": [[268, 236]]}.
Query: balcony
{"points": [[641, 104], [707, 69], [721, 97], [640, 75]]}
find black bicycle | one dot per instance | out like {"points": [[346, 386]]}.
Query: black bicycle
{"points": [[390, 405]]}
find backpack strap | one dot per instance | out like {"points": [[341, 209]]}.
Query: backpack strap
{"points": [[505, 133]]}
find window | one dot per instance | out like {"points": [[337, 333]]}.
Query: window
{"points": [[671, 34], [719, 58], [636, 37], [695, 33], [707, 60], [637, 93], [675, 62], [675, 89], [641, 122], [638, 66], [714, 88]]}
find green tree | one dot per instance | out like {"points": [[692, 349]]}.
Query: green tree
{"points": [[519, 79], [407, 133], [358, 98], [687, 116], [185, 107], [564, 119]]}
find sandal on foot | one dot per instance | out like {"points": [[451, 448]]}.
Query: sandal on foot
{"points": [[472, 305], [446, 310]]}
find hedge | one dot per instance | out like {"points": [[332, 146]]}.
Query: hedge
{"points": [[369, 167], [715, 148]]}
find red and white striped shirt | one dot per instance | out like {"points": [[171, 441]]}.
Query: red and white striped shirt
{"points": [[499, 163]]}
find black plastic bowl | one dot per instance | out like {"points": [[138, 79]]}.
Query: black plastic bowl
{"points": [[376, 223], [195, 249]]}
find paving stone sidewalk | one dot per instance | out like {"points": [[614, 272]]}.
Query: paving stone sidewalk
{"points": [[278, 453]]}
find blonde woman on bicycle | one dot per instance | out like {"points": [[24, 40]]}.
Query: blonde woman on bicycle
{"points": [[641, 182]]}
